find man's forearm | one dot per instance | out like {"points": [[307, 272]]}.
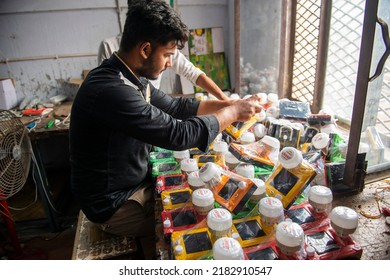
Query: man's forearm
{"points": [[229, 111], [208, 84], [211, 106]]}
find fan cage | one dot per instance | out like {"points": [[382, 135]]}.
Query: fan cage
{"points": [[15, 154]]}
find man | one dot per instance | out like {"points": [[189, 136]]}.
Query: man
{"points": [[180, 64], [117, 117]]}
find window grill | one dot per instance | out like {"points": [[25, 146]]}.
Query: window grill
{"points": [[306, 49]]}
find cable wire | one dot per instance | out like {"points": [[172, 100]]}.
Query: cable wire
{"points": [[42, 181]]}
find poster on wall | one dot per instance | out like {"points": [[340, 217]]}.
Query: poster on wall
{"points": [[205, 49]]}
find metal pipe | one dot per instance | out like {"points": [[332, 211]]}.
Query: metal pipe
{"points": [[57, 10], [237, 50], [282, 48], [201, 3], [42, 57], [362, 80], [290, 41], [118, 11], [322, 54]]}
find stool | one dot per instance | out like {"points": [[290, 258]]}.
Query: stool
{"points": [[91, 243]]}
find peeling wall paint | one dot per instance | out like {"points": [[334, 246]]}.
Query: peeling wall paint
{"points": [[44, 35]]}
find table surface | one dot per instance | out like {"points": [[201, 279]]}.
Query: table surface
{"points": [[60, 112]]}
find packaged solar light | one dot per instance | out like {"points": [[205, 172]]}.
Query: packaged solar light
{"points": [[262, 153], [176, 198], [321, 197], [219, 222], [237, 129], [188, 165], [315, 154], [165, 168], [263, 251], [308, 134], [258, 194], [161, 156], [271, 212], [305, 215], [194, 181], [245, 169], [344, 220], [179, 219], [227, 248], [294, 109], [290, 177], [290, 240], [288, 133], [204, 158], [249, 231], [328, 245], [220, 149], [170, 181], [192, 244], [319, 144], [180, 155], [231, 190], [203, 201]]}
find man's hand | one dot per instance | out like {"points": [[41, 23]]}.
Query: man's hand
{"points": [[238, 111], [246, 108]]}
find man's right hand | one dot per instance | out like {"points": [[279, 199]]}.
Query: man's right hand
{"points": [[238, 111]]}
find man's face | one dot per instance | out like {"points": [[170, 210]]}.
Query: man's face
{"points": [[158, 61]]}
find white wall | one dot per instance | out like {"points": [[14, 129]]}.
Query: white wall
{"points": [[44, 43]]}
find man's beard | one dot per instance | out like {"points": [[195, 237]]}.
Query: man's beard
{"points": [[149, 70]]}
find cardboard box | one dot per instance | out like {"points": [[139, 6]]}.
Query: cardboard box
{"points": [[8, 99], [6, 84], [78, 81]]}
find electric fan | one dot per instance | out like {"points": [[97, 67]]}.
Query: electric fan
{"points": [[15, 158]]}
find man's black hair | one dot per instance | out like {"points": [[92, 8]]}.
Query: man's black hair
{"points": [[152, 21]]}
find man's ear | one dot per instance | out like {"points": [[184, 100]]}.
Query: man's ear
{"points": [[145, 49]]}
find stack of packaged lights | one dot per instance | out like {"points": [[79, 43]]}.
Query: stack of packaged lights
{"points": [[263, 190]]}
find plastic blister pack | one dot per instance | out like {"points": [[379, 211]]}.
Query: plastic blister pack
{"points": [[290, 177], [230, 189], [205, 158], [262, 153], [237, 129], [294, 109], [328, 245], [179, 219], [305, 215], [249, 231], [263, 251], [170, 181], [176, 198], [165, 168], [161, 156], [192, 244]]}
